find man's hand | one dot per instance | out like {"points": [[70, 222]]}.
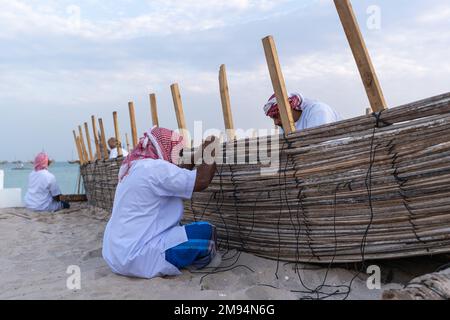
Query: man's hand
{"points": [[208, 141], [200, 152], [207, 170]]}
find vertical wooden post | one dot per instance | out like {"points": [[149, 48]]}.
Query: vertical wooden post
{"points": [[88, 138], [117, 132], [81, 148], [279, 85], [95, 132], [77, 145], [103, 139], [176, 96], [226, 104], [154, 109], [361, 55], [83, 145], [133, 123], [128, 142], [84, 161]]}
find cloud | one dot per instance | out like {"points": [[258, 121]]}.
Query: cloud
{"points": [[436, 15], [55, 73], [161, 17]]}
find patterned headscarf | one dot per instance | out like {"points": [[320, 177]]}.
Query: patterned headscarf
{"points": [[41, 162], [157, 143], [271, 108]]}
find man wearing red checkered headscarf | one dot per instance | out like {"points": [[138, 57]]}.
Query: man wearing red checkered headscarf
{"points": [[306, 113], [43, 193], [158, 143], [144, 237]]}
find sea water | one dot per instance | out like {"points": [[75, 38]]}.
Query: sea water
{"points": [[67, 176]]}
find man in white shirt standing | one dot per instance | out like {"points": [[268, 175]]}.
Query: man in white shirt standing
{"points": [[43, 193], [307, 113], [112, 142]]}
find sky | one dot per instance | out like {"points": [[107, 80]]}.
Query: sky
{"points": [[63, 61]]}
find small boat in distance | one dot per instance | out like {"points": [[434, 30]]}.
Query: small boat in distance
{"points": [[74, 162], [20, 166]]}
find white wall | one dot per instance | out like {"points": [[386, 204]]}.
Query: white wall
{"points": [[9, 198]]}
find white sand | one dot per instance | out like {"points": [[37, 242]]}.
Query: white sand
{"points": [[36, 250]]}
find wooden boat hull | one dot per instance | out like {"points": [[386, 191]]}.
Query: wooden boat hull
{"points": [[435, 286], [361, 189]]}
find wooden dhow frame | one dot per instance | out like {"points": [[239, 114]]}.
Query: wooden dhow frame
{"points": [[372, 187]]}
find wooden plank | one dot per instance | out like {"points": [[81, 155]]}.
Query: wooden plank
{"points": [[176, 96], [97, 144], [435, 286], [88, 138], [117, 132], [134, 134], [81, 148], [328, 181], [103, 139], [226, 103], [361, 55], [128, 142], [154, 109], [74, 198], [77, 145], [279, 85], [83, 145]]}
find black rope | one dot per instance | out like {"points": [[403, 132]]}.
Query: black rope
{"points": [[368, 183], [380, 121], [319, 292], [219, 207], [401, 182], [280, 213], [235, 199], [442, 268], [236, 257]]}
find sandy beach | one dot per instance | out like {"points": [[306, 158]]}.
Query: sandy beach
{"points": [[37, 249]]}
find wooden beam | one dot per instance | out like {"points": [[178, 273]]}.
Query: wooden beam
{"points": [[77, 145], [74, 198], [83, 145], [361, 55], [279, 85], [117, 132], [97, 144], [103, 139], [176, 96], [154, 109], [134, 134], [226, 104], [84, 161], [128, 142], [88, 138]]}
